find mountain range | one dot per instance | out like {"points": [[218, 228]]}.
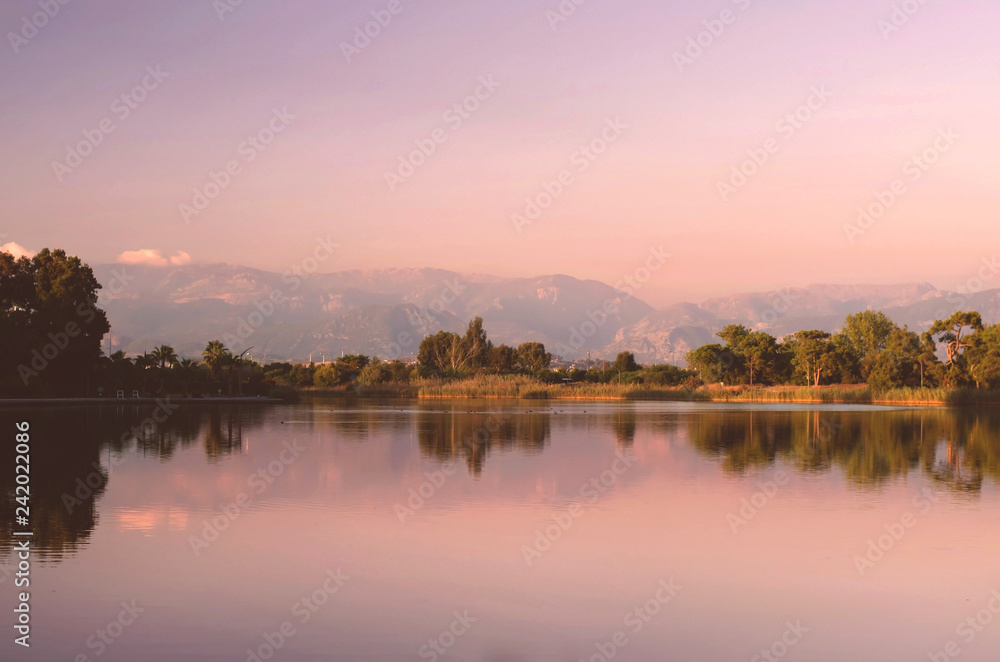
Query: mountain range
{"points": [[386, 312]]}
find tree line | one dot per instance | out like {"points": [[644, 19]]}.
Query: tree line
{"points": [[870, 348], [51, 332], [449, 355], [52, 328], [50, 325]]}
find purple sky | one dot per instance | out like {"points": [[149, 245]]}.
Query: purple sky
{"points": [[884, 97]]}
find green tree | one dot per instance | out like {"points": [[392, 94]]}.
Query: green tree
{"points": [[898, 363], [399, 371], [303, 374], [930, 365], [452, 353], [375, 373], [867, 334], [443, 352], [502, 359], [17, 305], [49, 300], [813, 354], [625, 362], [847, 365], [733, 333], [753, 352], [344, 370], [982, 356], [664, 375], [435, 350], [164, 356], [532, 357], [144, 361], [950, 332], [119, 358], [476, 345], [116, 372], [712, 362], [759, 350], [188, 372], [216, 357], [354, 362], [330, 375]]}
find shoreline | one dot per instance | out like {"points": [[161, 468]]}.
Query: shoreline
{"points": [[828, 395], [709, 400], [531, 390]]}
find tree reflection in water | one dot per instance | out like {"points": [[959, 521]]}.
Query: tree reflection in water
{"points": [[453, 433], [956, 448], [73, 448]]}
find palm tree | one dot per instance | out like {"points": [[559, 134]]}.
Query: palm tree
{"points": [[216, 356], [145, 361], [118, 369], [187, 369], [143, 364], [117, 363], [164, 355]]}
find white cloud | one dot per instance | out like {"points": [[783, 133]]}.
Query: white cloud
{"points": [[153, 258], [143, 256], [17, 250], [180, 259]]}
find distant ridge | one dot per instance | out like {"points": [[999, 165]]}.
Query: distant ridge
{"points": [[385, 312]]}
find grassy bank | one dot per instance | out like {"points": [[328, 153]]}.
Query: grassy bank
{"points": [[521, 387], [858, 395]]}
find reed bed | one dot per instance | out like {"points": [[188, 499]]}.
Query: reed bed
{"points": [[529, 388], [522, 387], [863, 395], [825, 395]]}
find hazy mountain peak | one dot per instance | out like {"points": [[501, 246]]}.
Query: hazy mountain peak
{"points": [[387, 311]]}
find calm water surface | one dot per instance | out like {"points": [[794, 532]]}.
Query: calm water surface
{"points": [[483, 530]]}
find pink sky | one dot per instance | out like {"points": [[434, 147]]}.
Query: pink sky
{"points": [[347, 123]]}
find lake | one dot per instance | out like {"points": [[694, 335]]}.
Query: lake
{"points": [[495, 531]]}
